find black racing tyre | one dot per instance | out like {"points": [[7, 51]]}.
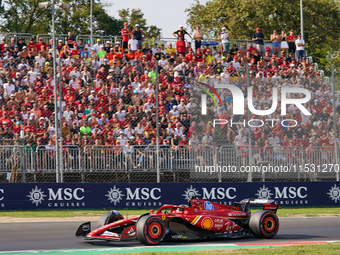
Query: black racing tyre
{"points": [[150, 229], [107, 218], [264, 224]]}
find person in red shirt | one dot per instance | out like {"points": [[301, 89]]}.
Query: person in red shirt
{"points": [[75, 52], [199, 55], [125, 32], [32, 47], [40, 44], [180, 45], [251, 50], [40, 130], [130, 55], [190, 56], [46, 113], [184, 141], [304, 143], [5, 118]]}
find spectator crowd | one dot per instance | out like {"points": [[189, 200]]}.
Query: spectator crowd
{"points": [[109, 91]]}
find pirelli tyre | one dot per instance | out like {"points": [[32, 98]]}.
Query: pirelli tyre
{"points": [[107, 218], [150, 229], [264, 224]]}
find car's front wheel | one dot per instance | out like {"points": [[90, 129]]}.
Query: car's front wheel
{"points": [[150, 229]]}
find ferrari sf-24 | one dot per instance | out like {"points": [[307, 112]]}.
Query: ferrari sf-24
{"points": [[200, 219]]}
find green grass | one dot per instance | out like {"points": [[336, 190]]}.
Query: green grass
{"points": [[310, 249], [282, 212]]}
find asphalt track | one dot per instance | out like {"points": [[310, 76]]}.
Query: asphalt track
{"points": [[33, 236]]}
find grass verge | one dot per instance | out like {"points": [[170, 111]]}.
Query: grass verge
{"points": [[314, 249], [283, 212]]}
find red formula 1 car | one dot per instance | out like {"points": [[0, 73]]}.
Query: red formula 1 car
{"points": [[200, 219]]}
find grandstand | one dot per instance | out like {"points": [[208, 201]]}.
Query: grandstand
{"points": [[109, 110]]}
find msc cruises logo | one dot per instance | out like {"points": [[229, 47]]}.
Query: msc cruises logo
{"points": [[36, 196]]}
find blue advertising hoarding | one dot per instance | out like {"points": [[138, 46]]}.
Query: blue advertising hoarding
{"points": [[22, 196]]}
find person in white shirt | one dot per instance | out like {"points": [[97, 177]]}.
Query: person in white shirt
{"points": [[300, 47], [149, 90], [236, 64], [140, 90], [154, 49], [68, 60], [182, 108], [163, 61], [239, 139], [88, 46], [178, 130], [122, 139], [139, 129], [128, 131], [273, 139], [120, 114], [9, 88], [224, 37], [40, 59], [73, 82], [174, 111], [97, 46], [23, 65], [133, 44], [68, 115], [148, 106], [75, 73]]}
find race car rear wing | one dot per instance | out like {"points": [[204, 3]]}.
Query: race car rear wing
{"points": [[267, 204]]}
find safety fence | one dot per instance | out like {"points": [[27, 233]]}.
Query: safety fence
{"points": [[100, 163]]}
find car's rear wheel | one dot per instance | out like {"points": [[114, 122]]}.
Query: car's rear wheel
{"points": [[107, 218], [150, 229], [264, 224]]}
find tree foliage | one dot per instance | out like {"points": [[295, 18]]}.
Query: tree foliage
{"points": [[18, 16], [321, 19], [137, 17]]}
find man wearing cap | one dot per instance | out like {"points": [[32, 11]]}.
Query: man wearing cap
{"points": [[181, 33], [180, 45], [258, 38], [98, 46], [88, 46], [300, 47], [125, 32], [117, 48], [101, 53], [224, 37], [40, 44], [139, 35], [107, 47], [32, 46]]}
